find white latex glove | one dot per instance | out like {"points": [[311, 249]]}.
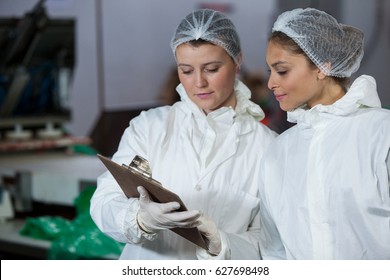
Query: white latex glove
{"points": [[153, 216], [210, 231]]}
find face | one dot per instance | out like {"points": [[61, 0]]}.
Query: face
{"points": [[208, 74], [292, 79]]}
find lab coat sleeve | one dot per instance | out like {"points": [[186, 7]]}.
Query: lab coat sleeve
{"points": [[272, 247], [245, 245], [111, 210], [388, 169]]}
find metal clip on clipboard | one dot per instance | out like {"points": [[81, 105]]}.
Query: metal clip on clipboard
{"points": [[141, 166]]}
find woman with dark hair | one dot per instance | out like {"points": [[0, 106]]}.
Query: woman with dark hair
{"points": [[324, 183]]}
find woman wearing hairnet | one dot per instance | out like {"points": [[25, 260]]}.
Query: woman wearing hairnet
{"points": [[324, 182], [205, 148]]}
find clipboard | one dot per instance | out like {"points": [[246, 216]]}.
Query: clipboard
{"points": [[138, 173]]}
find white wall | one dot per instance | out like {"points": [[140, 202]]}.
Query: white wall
{"points": [[372, 17]]}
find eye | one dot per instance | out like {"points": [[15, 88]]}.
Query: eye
{"points": [[186, 71], [211, 70], [281, 73]]}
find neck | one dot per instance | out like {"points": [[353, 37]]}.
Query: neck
{"points": [[331, 92]]}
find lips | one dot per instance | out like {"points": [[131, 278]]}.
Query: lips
{"points": [[280, 97], [203, 95]]}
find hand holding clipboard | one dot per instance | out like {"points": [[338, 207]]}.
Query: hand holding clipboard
{"points": [[138, 174]]}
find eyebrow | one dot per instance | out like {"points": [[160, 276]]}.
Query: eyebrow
{"points": [[273, 65], [205, 64]]}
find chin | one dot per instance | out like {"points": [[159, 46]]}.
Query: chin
{"points": [[286, 109]]}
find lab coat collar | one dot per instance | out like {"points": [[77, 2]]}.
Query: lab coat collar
{"points": [[244, 105], [227, 115], [361, 93]]}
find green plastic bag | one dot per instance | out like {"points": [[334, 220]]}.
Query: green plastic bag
{"points": [[76, 239], [83, 149], [82, 201], [45, 227], [84, 240]]}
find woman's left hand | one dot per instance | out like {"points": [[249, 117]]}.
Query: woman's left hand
{"points": [[210, 231]]}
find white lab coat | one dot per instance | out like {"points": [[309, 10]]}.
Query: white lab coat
{"points": [[325, 181], [211, 162]]}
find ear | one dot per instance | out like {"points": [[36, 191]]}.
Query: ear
{"points": [[320, 75]]}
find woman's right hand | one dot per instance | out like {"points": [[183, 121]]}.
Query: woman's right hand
{"points": [[153, 216]]}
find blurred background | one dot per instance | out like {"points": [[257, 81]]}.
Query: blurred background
{"points": [[74, 73]]}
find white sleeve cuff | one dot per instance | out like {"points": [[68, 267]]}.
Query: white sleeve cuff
{"points": [[132, 230]]}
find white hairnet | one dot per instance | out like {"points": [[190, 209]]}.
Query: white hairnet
{"points": [[336, 49], [211, 26]]}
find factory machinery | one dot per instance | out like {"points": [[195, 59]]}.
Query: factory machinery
{"points": [[40, 174]]}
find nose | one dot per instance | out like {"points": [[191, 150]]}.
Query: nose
{"points": [[201, 80], [271, 83]]}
